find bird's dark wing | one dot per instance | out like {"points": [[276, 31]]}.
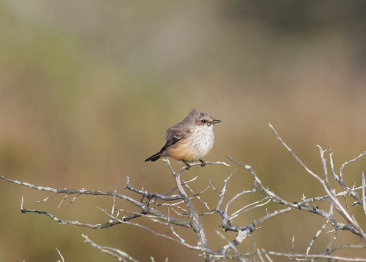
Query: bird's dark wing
{"points": [[175, 134]]}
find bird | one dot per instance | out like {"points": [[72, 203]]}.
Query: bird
{"points": [[189, 140]]}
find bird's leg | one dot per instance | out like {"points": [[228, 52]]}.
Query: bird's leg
{"points": [[188, 165], [202, 163]]}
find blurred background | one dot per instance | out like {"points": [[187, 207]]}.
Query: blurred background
{"points": [[88, 88]]}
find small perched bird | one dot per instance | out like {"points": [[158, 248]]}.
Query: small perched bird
{"points": [[190, 140]]}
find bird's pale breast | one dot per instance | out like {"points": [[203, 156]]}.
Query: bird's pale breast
{"points": [[194, 147]]}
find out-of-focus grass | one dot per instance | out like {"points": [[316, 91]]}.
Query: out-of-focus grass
{"points": [[87, 91]]}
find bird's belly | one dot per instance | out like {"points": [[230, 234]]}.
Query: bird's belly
{"points": [[192, 148], [181, 153]]}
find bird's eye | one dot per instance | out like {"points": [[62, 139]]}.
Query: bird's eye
{"points": [[203, 120]]}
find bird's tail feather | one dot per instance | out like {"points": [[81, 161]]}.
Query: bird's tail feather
{"points": [[153, 158]]}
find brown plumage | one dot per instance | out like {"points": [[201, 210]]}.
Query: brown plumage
{"points": [[189, 140]]}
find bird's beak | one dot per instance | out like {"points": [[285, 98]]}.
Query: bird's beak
{"points": [[215, 121]]}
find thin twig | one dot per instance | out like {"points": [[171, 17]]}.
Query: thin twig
{"points": [[119, 254], [363, 192], [59, 253]]}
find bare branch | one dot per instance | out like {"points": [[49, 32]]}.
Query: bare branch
{"points": [[338, 206], [312, 256], [62, 258], [67, 222], [198, 195], [350, 161], [196, 221], [249, 207], [363, 192], [315, 237], [175, 208], [120, 255]]}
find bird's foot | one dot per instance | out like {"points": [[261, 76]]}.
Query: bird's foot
{"points": [[188, 165], [202, 163]]}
